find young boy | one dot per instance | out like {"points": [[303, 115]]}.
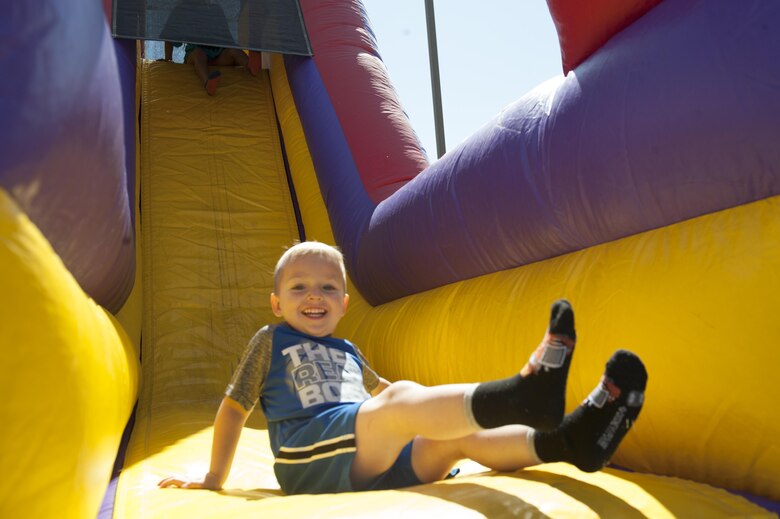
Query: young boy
{"points": [[328, 435]]}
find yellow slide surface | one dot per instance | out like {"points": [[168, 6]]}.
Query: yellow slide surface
{"points": [[216, 214]]}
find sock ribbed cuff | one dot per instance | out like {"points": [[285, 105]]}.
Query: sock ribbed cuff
{"points": [[468, 409], [530, 439]]}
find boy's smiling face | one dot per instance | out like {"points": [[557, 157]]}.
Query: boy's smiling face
{"points": [[311, 295]]}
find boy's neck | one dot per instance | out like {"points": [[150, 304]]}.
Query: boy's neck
{"points": [[296, 330]]}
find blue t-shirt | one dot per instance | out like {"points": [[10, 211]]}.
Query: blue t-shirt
{"points": [[297, 377]]}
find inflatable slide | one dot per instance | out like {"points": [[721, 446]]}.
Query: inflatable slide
{"points": [[140, 221]]}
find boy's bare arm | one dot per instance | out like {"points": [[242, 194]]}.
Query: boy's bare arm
{"points": [[228, 424]]}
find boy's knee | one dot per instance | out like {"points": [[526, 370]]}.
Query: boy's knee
{"points": [[433, 460], [400, 391]]}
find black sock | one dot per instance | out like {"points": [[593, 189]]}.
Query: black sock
{"points": [[590, 435], [536, 396]]}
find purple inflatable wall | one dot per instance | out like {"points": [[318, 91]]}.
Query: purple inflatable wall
{"points": [[675, 117], [63, 139]]}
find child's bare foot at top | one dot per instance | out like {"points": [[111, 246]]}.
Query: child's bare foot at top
{"points": [[589, 436], [213, 82], [536, 396]]}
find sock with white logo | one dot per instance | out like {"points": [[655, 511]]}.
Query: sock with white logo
{"points": [[536, 396], [589, 435]]}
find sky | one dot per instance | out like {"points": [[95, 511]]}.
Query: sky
{"points": [[490, 54]]}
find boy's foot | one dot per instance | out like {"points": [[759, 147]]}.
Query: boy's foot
{"points": [[537, 395], [213, 82], [589, 436], [547, 370], [254, 63]]}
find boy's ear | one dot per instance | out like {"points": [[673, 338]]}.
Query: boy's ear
{"points": [[276, 308], [346, 301]]}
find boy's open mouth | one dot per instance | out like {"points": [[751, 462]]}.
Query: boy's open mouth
{"points": [[314, 312]]}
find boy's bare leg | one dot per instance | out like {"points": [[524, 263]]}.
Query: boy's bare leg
{"points": [[255, 62], [586, 438], [199, 62], [387, 422], [435, 418], [505, 448], [231, 57]]}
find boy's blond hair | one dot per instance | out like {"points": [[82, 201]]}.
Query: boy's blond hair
{"points": [[310, 248]]}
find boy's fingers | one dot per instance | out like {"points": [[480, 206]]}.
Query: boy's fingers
{"points": [[180, 483], [171, 482]]}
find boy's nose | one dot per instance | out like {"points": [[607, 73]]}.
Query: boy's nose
{"points": [[315, 293]]}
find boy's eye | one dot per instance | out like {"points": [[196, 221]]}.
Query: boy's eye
{"points": [[329, 288], [299, 286]]}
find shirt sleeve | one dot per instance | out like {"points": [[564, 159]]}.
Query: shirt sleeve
{"points": [[249, 377], [370, 378]]}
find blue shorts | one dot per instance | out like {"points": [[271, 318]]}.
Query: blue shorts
{"points": [[317, 458]]}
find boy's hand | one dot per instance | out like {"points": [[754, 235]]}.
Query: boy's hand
{"points": [[210, 482]]}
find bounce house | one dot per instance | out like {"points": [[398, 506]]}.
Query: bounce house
{"points": [[140, 221]]}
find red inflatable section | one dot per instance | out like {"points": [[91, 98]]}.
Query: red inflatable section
{"points": [[584, 26], [383, 144]]}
